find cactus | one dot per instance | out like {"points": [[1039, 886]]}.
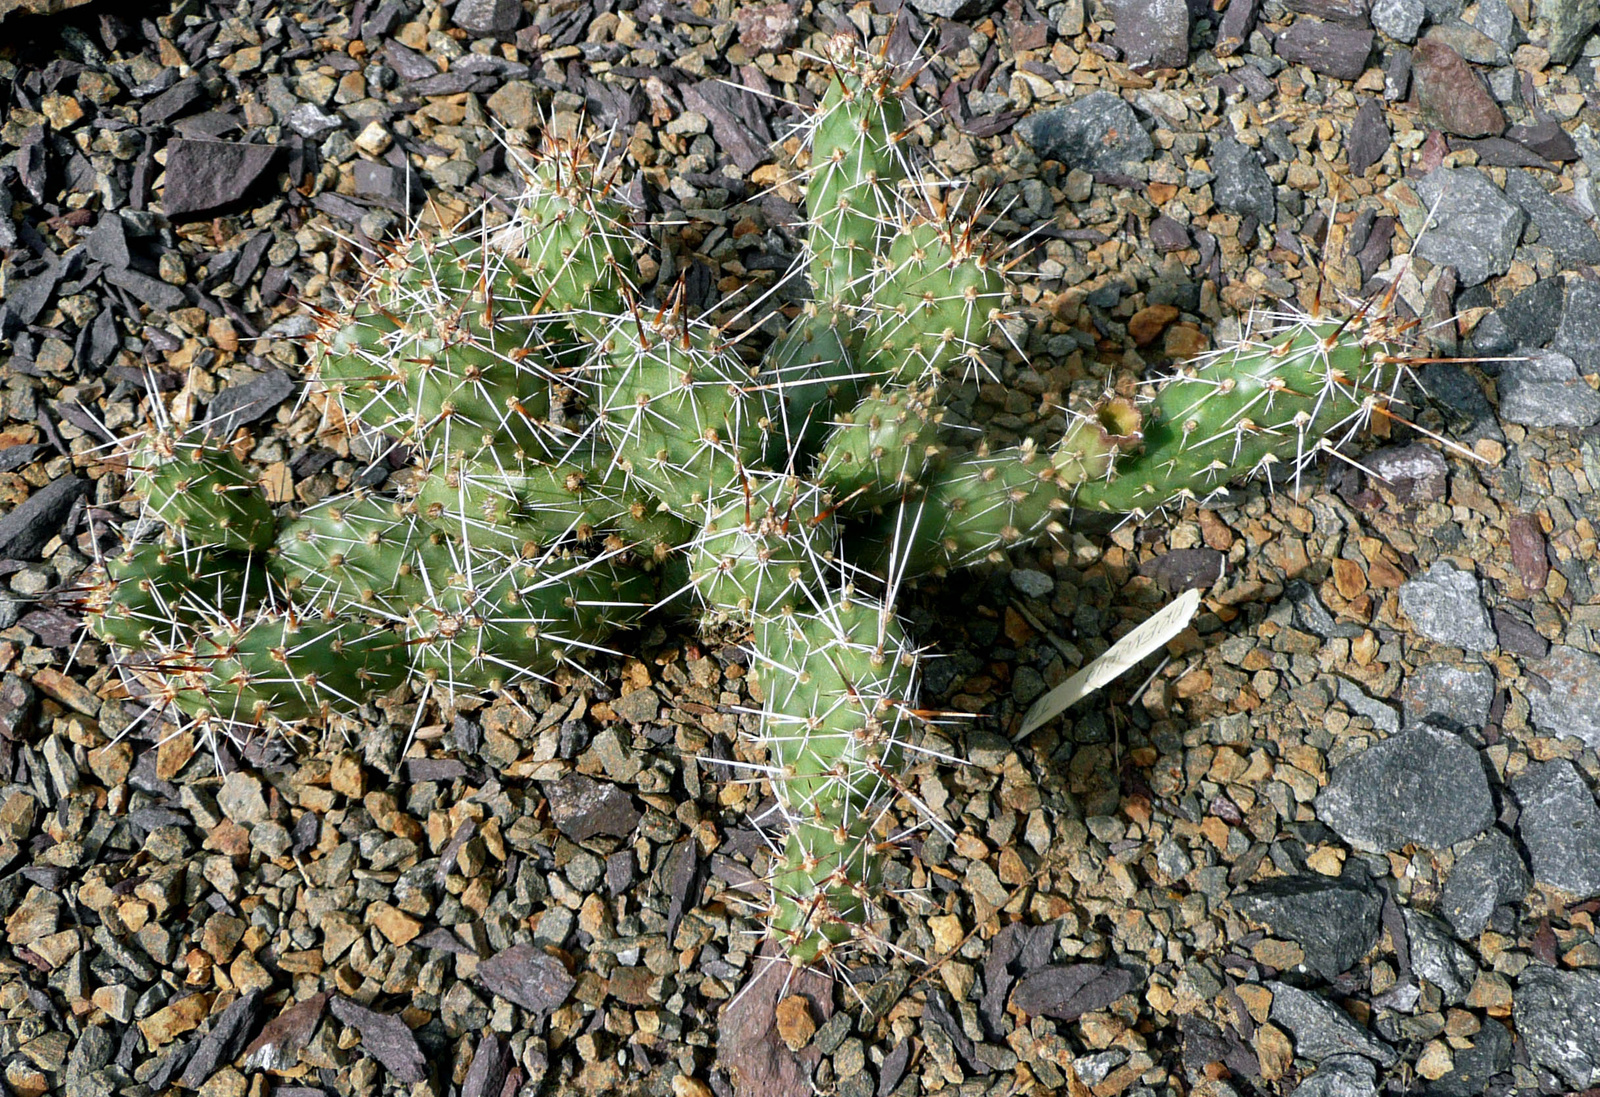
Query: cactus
{"points": [[789, 498]]}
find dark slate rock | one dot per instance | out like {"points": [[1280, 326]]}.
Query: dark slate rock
{"points": [[222, 1045], [1242, 185], [492, 1060], [1238, 20], [108, 243], [1185, 569], [1412, 474], [1474, 228], [1168, 235], [1487, 876], [1397, 75], [282, 1039], [1562, 229], [1335, 921], [385, 1037], [1559, 827], [176, 100], [488, 17], [1545, 138], [1098, 133], [1152, 32], [206, 175], [1321, 1029], [1569, 22], [1425, 785], [407, 63], [1450, 93], [1454, 698], [1517, 635], [1333, 49], [14, 457], [1068, 991], [1497, 152], [527, 976], [737, 120], [1399, 19], [26, 298], [1341, 1076], [1530, 319], [1557, 1014], [1438, 958], [1579, 335], [582, 808], [26, 530], [240, 405], [1016, 950], [1369, 136], [1353, 12], [686, 875], [1570, 706], [147, 290], [1490, 1054], [1544, 390]]}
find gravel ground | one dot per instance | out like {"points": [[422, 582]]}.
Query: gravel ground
{"points": [[1344, 841]]}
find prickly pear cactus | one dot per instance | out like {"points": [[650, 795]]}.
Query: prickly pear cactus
{"points": [[579, 452]]}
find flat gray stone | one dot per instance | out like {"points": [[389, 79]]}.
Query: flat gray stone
{"points": [[1558, 1015], [1425, 785], [1152, 32], [1341, 1076], [1242, 185], [1545, 390], [1579, 335], [1562, 228], [1446, 606], [1098, 132], [1570, 707], [1321, 1029], [1488, 875], [1530, 319], [1333, 920], [1475, 229], [1438, 958], [1560, 827], [1454, 698], [1399, 19]]}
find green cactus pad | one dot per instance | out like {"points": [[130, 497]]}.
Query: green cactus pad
{"points": [[284, 667], [152, 594], [1261, 408], [840, 684], [762, 544], [202, 492], [354, 551], [931, 306], [877, 451], [489, 626], [440, 349]]}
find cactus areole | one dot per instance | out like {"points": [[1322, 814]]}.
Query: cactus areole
{"points": [[582, 452]]}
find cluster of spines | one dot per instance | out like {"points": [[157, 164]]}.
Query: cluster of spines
{"points": [[513, 542]]}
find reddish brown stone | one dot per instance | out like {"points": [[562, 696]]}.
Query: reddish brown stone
{"points": [[1451, 96]]}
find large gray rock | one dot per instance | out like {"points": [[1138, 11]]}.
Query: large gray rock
{"points": [[1399, 19], [1341, 1076], [1560, 827], [1579, 335], [1568, 23], [1321, 1029], [1562, 229], [1098, 132], [1545, 390], [1475, 229], [1242, 185], [1438, 958], [1425, 785], [1558, 1015], [1152, 32], [1570, 705], [1446, 606], [1488, 875], [1454, 698], [1334, 921]]}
